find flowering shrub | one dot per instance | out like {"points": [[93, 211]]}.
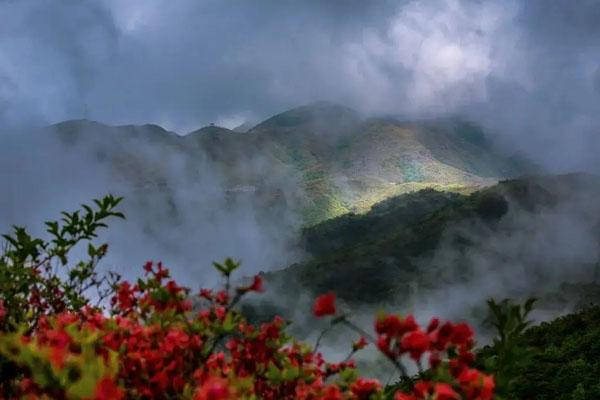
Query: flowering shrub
{"points": [[157, 340], [36, 278]]}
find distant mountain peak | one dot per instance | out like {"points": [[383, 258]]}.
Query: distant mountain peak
{"points": [[244, 127], [211, 129], [87, 124], [78, 124], [320, 113]]}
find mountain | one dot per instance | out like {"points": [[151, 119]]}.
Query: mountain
{"points": [[128, 151], [520, 237], [326, 158], [244, 127], [348, 163]]}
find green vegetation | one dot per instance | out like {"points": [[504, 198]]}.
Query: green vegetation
{"points": [[36, 276], [369, 258], [325, 203], [412, 172], [379, 256], [557, 360], [383, 219], [33, 268]]}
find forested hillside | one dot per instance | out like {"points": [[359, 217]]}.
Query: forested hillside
{"points": [[414, 244]]}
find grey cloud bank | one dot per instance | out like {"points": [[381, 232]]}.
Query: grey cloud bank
{"points": [[528, 70]]}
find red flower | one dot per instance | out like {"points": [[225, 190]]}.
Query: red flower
{"points": [[161, 379], [222, 297], [466, 357], [462, 335], [106, 389], [361, 344], [383, 344], [422, 388], [404, 396], [148, 266], [433, 324], [388, 324], [213, 389], [477, 384], [257, 284], [324, 305], [58, 356], [410, 324], [363, 388], [332, 393], [487, 389], [443, 391], [125, 297], [393, 325], [416, 343], [163, 350]]}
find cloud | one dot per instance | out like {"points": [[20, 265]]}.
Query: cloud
{"points": [[434, 55], [48, 53], [527, 70], [180, 210]]}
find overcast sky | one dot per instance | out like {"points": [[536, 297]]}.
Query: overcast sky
{"points": [[529, 70]]}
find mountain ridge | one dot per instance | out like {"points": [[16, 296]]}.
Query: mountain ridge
{"points": [[338, 160]]}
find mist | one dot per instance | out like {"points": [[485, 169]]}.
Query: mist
{"points": [[530, 252], [178, 211], [528, 70]]}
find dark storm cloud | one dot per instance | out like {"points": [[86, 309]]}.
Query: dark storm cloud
{"points": [[50, 53], [554, 112], [529, 70]]}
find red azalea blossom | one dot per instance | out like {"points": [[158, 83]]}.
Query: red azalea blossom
{"points": [[257, 284], [404, 396], [364, 388], [433, 324], [106, 389], [389, 324], [384, 345], [58, 356], [213, 389], [151, 346], [360, 344], [206, 294], [332, 393], [148, 267], [443, 391], [423, 388], [416, 343], [324, 305]]}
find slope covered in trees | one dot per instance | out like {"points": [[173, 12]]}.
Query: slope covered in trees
{"points": [[429, 239], [559, 359]]}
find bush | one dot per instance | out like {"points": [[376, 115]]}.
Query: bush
{"points": [[558, 360]]}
